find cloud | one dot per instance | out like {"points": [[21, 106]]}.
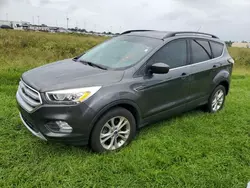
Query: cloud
{"points": [[198, 4], [3, 3], [44, 2], [173, 16], [228, 19]]}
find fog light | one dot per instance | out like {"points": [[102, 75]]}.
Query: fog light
{"points": [[59, 126], [64, 127]]}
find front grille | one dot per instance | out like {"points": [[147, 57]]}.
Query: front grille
{"points": [[28, 97]]}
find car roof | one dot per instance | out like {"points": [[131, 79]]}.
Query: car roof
{"points": [[166, 34], [152, 34]]}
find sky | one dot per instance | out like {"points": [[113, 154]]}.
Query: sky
{"points": [[228, 19]]}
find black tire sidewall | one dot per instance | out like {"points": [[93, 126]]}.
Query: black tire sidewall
{"points": [[210, 109], [95, 135]]}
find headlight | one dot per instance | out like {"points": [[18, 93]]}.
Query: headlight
{"points": [[72, 95]]}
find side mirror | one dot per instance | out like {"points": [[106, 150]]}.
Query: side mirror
{"points": [[159, 68]]}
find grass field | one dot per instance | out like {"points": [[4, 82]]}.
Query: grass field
{"points": [[195, 149]]}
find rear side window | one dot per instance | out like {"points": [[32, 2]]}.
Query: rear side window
{"points": [[200, 51], [205, 45], [217, 49], [173, 54]]}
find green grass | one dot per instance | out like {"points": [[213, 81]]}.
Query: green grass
{"points": [[195, 149], [241, 55]]}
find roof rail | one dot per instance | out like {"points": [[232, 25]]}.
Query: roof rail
{"points": [[131, 31], [172, 34]]}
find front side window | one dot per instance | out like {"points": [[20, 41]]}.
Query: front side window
{"points": [[174, 54], [200, 51], [122, 51]]}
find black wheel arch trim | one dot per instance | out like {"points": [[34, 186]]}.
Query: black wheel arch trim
{"points": [[114, 104], [222, 76]]}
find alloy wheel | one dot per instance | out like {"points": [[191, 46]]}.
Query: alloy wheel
{"points": [[115, 133], [218, 100]]}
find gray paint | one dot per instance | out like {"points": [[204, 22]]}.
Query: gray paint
{"points": [[152, 96], [69, 74]]}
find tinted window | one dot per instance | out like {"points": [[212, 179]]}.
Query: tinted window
{"points": [[217, 49], [200, 51], [174, 54], [205, 45]]}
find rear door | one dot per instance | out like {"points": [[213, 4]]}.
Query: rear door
{"points": [[204, 66]]}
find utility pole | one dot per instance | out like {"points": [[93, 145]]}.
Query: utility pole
{"points": [[38, 20], [67, 23]]}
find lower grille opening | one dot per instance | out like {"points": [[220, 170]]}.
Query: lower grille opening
{"points": [[30, 125]]}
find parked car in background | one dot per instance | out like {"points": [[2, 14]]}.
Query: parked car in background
{"points": [[104, 96], [5, 27]]}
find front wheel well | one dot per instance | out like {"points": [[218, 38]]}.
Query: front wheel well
{"points": [[132, 109]]}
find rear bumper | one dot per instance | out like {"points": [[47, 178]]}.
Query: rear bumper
{"points": [[79, 117]]}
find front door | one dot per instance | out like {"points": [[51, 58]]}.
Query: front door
{"points": [[161, 93]]}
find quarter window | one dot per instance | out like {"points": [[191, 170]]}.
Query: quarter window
{"points": [[205, 45], [217, 49], [200, 51], [174, 54]]}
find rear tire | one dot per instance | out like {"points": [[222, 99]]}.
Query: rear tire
{"points": [[114, 130], [216, 100]]}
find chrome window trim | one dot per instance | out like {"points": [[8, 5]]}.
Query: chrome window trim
{"points": [[186, 38], [200, 62]]}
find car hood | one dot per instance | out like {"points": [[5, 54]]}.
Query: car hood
{"points": [[68, 74]]}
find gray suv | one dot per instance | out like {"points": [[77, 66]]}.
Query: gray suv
{"points": [[102, 97]]}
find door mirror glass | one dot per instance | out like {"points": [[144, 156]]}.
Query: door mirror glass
{"points": [[159, 68]]}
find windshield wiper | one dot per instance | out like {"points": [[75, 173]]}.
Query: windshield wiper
{"points": [[94, 65]]}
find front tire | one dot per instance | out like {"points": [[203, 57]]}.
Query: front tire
{"points": [[114, 130], [217, 99]]}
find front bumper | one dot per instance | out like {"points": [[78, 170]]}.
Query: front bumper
{"points": [[79, 117], [38, 134]]}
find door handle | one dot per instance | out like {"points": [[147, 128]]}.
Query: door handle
{"points": [[184, 75]]}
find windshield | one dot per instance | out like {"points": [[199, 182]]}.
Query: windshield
{"points": [[122, 51]]}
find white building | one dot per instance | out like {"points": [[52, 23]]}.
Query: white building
{"points": [[39, 28]]}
